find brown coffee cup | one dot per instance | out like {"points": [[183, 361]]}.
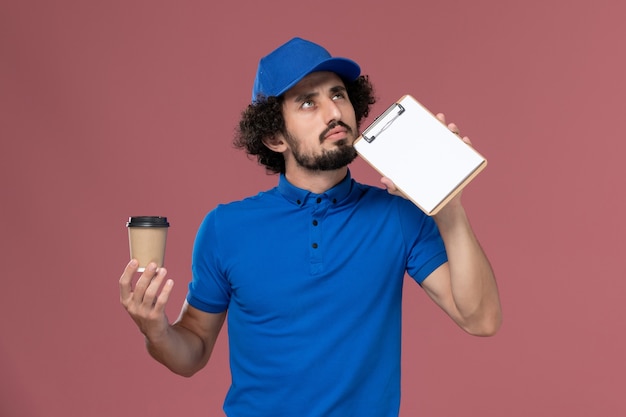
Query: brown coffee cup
{"points": [[147, 236]]}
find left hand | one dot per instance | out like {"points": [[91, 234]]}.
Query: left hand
{"points": [[391, 187]]}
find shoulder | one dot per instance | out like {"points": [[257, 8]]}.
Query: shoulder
{"points": [[397, 213], [378, 196], [241, 215], [234, 209], [371, 194]]}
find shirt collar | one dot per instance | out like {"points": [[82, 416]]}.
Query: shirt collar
{"points": [[300, 197]]}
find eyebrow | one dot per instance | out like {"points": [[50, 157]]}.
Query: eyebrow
{"points": [[338, 88], [307, 96], [304, 97]]}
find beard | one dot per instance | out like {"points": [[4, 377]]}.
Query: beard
{"points": [[340, 156]]}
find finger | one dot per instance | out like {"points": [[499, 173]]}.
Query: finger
{"points": [[454, 129], [161, 300], [391, 187], [150, 295], [143, 282], [126, 279]]}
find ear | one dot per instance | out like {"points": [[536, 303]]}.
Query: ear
{"points": [[276, 143]]}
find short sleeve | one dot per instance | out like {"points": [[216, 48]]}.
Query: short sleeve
{"points": [[426, 250], [209, 289]]}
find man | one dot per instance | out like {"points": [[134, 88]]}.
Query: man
{"points": [[311, 271]]}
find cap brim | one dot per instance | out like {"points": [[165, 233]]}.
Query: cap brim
{"points": [[345, 68]]}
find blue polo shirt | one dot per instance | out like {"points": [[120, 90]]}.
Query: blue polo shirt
{"points": [[313, 288]]}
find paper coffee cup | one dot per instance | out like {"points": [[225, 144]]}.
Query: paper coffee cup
{"points": [[146, 239]]}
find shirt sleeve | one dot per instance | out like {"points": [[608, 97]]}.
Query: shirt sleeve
{"points": [[209, 289], [426, 251]]}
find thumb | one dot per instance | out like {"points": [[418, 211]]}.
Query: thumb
{"points": [[391, 187]]}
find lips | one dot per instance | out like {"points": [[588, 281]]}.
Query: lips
{"points": [[337, 132]]}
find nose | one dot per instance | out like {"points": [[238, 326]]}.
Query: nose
{"points": [[332, 112]]}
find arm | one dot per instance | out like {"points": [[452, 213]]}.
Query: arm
{"points": [[464, 287], [185, 346]]}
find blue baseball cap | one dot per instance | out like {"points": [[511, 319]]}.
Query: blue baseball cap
{"points": [[291, 62]]}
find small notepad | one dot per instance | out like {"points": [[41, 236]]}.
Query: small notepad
{"points": [[424, 159]]}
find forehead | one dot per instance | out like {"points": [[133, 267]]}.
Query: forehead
{"points": [[315, 80]]}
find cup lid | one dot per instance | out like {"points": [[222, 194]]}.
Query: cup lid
{"points": [[147, 221]]}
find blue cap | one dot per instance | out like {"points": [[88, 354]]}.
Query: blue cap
{"points": [[289, 63]]}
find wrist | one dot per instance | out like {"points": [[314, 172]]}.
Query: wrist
{"points": [[451, 217], [157, 336]]}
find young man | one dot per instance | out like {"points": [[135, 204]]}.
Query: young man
{"points": [[311, 271]]}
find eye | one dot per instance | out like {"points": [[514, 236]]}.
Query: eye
{"points": [[339, 96], [307, 104]]}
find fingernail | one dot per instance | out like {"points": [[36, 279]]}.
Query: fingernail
{"points": [[132, 263]]}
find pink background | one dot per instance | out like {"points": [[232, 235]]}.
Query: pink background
{"points": [[117, 108]]}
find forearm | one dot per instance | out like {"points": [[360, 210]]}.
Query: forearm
{"points": [[472, 280], [179, 349]]}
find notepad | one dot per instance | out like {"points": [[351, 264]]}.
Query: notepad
{"points": [[425, 160]]}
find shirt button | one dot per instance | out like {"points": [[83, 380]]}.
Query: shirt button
{"points": [[298, 202], [319, 200], [314, 246], [314, 222], [334, 200]]}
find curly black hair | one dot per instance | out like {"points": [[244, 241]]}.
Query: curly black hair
{"points": [[264, 119]]}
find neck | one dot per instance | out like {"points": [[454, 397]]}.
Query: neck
{"points": [[316, 182]]}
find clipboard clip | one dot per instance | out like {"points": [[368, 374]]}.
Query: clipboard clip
{"points": [[383, 122]]}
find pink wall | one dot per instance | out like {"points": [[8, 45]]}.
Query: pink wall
{"points": [[118, 108]]}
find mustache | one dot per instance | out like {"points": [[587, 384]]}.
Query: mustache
{"points": [[332, 126]]}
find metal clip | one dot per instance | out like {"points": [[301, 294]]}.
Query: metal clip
{"points": [[384, 121]]}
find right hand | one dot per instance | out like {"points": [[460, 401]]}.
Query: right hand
{"points": [[146, 303]]}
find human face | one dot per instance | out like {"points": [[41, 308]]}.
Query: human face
{"points": [[320, 124]]}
